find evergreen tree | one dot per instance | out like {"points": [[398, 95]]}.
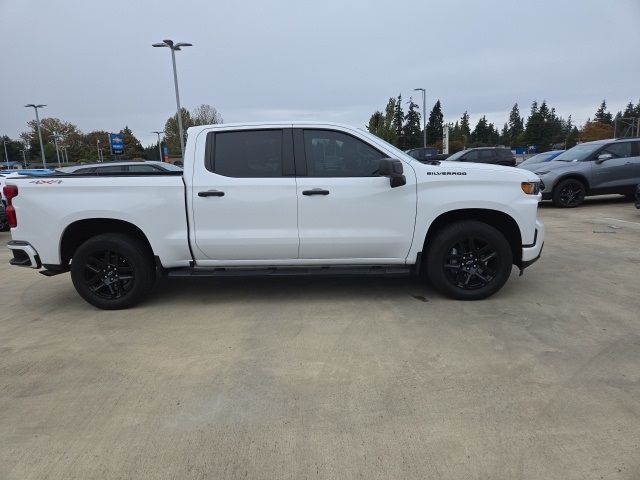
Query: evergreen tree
{"points": [[516, 125], [171, 131], [505, 137], [412, 129], [132, 147], [629, 111], [465, 128], [602, 115], [435, 124], [398, 117], [572, 138]]}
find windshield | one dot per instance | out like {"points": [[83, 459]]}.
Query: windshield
{"points": [[456, 156], [541, 157], [577, 153]]}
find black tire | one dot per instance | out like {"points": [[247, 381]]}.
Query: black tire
{"points": [[469, 260], [569, 193], [112, 271]]}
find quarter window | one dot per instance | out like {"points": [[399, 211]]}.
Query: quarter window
{"points": [[250, 154], [336, 154]]}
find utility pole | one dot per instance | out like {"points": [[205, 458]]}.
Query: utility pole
{"points": [[6, 155], [424, 115], [55, 137], [159, 147], [24, 158], [36, 107], [174, 48]]}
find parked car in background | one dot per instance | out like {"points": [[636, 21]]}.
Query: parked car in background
{"points": [[4, 222], [492, 155], [638, 196], [120, 167], [541, 157], [428, 154], [592, 168]]}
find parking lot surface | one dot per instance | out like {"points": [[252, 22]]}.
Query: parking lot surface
{"points": [[321, 378]]}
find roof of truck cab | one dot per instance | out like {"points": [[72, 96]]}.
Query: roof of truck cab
{"points": [[279, 123]]}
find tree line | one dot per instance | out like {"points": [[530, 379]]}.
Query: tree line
{"points": [[542, 128], [83, 147]]}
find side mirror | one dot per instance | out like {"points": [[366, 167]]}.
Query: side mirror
{"points": [[392, 168], [603, 156]]}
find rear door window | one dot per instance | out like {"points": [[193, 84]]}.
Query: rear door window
{"points": [[248, 154], [487, 156]]}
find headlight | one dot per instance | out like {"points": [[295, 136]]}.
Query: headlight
{"points": [[542, 173], [530, 188]]}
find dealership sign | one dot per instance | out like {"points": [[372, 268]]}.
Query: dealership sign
{"points": [[116, 141]]}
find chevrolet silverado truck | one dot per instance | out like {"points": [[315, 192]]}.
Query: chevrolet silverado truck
{"points": [[278, 199]]}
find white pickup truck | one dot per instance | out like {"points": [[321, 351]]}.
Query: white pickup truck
{"points": [[278, 198]]}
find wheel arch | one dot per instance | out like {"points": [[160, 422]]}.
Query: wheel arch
{"points": [[501, 221], [573, 176], [80, 231]]}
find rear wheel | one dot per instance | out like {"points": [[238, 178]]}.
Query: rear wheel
{"points": [[569, 193], [469, 260], [112, 271]]}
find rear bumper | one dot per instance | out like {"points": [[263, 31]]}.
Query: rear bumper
{"points": [[24, 255], [531, 253]]}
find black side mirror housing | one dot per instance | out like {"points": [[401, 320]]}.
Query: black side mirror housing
{"points": [[392, 168]]}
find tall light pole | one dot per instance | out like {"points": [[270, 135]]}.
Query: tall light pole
{"points": [[159, 147], [98, 148], [424, 114], [176, 47], [6, 155], [24, 158], [36, 107], [55, 137]]}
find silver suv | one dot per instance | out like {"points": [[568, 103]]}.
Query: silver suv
{"points": [[592, 168]]}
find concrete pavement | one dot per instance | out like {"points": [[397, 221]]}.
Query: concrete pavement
{"points": [[320, 378]]}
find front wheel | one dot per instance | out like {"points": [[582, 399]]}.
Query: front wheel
{"points": [[569, 193], [469, 260], [112, 271]]}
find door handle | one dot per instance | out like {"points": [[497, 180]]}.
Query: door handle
{"points": [[211, 193], [315, 191]]}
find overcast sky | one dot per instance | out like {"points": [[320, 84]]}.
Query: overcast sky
{"points": [[93, 65]]}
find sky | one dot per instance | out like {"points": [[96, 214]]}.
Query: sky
{"points": [[92, 62]]}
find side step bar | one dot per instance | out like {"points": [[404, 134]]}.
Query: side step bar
{"points": [[351, 270]]}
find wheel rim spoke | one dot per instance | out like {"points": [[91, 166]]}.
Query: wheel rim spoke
{"points": [[108, 274], [471, 263]]}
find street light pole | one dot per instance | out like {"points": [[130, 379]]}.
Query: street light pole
{"points": [[159, 147], [24, 158], [6, 155], [36, 107], [55, 141], [424, 115], [176, 47], [98, 147]]}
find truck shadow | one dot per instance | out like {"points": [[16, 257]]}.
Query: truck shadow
{"points": [[279, 289]]}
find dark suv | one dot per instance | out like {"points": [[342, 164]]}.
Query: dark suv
{"points": [[427, 154], [494, 155]]}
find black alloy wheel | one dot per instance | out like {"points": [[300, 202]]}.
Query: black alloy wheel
{"points": [[569, 193], [468, 260], [471, 263], [108, 274], [113, 271]]}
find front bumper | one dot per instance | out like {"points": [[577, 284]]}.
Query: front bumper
{"points": [[531, 252], [24, 255]]}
